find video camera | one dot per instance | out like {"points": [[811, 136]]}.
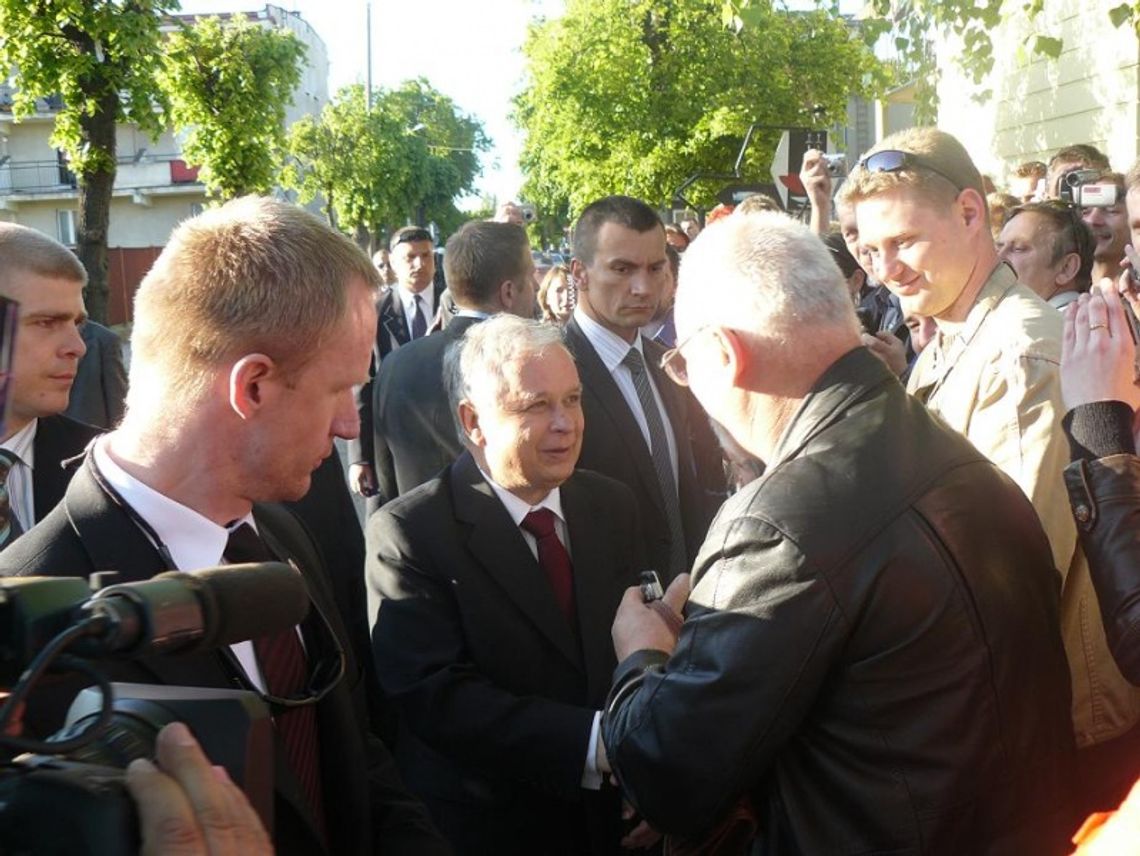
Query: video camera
{"points": [[1084, 189], [69, 796]]}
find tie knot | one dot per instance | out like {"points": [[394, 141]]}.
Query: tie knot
{"points": [[245, 545], [633, 361], [539, 523]]}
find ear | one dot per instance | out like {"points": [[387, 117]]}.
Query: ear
{"points": [[1068, 270], [734, 357], [578, 272], [469, 419], [247, 387], [972, 208], [508, 294]]}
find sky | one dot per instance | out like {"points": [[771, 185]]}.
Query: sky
{"points": [[470, 51]]}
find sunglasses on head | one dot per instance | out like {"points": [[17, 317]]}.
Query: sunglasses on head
{"points": [[411, 236], [893, 160]]}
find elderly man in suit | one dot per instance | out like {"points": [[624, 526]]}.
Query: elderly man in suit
{"points": [[47, 280], [489, 270], [491, 589], [250, 331], [640, 429], [405, 312]]}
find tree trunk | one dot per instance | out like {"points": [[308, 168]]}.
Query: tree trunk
{"points": [[362, 238], [94, 219]]}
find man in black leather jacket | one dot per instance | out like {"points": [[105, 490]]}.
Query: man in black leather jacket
{"points": [[870, 659]]}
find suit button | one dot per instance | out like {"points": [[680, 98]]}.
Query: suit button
{"points": [[1081, 512]]}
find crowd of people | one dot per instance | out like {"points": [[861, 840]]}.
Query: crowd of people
{"points": [[882, 463]]}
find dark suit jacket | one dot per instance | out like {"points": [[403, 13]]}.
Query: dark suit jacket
{"points": [[495, 689], [391, 333], [414, 435], [367, 810], [58, 439], [614, 445], [100, 388]]}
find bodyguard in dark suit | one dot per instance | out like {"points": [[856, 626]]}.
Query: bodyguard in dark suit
{"points": [[240, 382], [46, 280], [640, 429], [492, 588], [489, 270], [405, 312]]}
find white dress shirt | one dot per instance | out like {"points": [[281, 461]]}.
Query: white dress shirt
{"points": [[21, 487], [612, 348], [408, 299], [518, 509], [193, 542]]}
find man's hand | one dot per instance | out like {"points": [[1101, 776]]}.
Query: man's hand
{"points": [[191, 808], [637, 625], [889, 348], [642, 836], [1097, 351], [362, 479], [817, 183]]}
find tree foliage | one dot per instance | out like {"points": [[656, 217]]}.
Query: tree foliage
{"points": [[101, 56], [407, 157], [634, 96], [229, 85], [911, 24]]}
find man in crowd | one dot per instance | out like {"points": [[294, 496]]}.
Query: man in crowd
{"points": [[492, 588], [869, 660], [489, 270], [640, 429], [404, 313], [1028, 181], [1079, 156], [1109, 227], [99, 392], [46, 279], [250, 331], [992, 374], [1050, 249]]}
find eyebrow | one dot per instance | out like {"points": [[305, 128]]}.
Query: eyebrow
{"points": [[53, 316]]}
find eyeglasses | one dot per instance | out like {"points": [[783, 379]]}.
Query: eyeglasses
{"points": [[673, 361], [893, 160]]}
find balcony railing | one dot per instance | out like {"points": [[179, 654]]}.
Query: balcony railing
{"points": [[134, 173]]}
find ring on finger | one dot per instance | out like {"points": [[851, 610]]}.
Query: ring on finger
{"points": [[1097, 327]]}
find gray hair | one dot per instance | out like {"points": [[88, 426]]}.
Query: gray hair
{"points": [[764, 274], [478, 358]]}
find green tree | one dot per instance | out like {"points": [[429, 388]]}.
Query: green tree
{"points": [[229, 85], [101, 57], [407, 157], [634, 96]]}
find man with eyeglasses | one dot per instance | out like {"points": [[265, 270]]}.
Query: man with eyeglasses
{"points": [[992, 373], [250, 331], [870, 659], [1050, 249], [405, 312]]}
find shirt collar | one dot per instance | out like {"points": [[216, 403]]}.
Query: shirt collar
{"points": [[611, 347], [193, 541], [408, 298], [517, 508], [22, 444]]}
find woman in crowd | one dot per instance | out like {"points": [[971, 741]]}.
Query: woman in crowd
{"points": [[556, 295]]}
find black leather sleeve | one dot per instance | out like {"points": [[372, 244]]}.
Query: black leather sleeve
{"points": [[1105, 497]]}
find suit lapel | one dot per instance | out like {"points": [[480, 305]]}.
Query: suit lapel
{"points": [[596, 379], [56, 440], [594, 585], [498, 546], [675, 410], [393, 321]]}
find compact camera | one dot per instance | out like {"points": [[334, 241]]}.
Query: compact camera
{"points": [[529, 212], [836, 164]]}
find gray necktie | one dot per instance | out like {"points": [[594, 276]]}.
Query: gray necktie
{"points": [[659, 451], [419, 323], [10, 528]]}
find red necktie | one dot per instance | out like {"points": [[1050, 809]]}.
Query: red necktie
{"points": [[285, 671], [553, 558]]}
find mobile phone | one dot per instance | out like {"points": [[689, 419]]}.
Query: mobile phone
{"points": [[650, 585]]}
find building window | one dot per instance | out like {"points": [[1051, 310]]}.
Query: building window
{"points": [[65, 227]]}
